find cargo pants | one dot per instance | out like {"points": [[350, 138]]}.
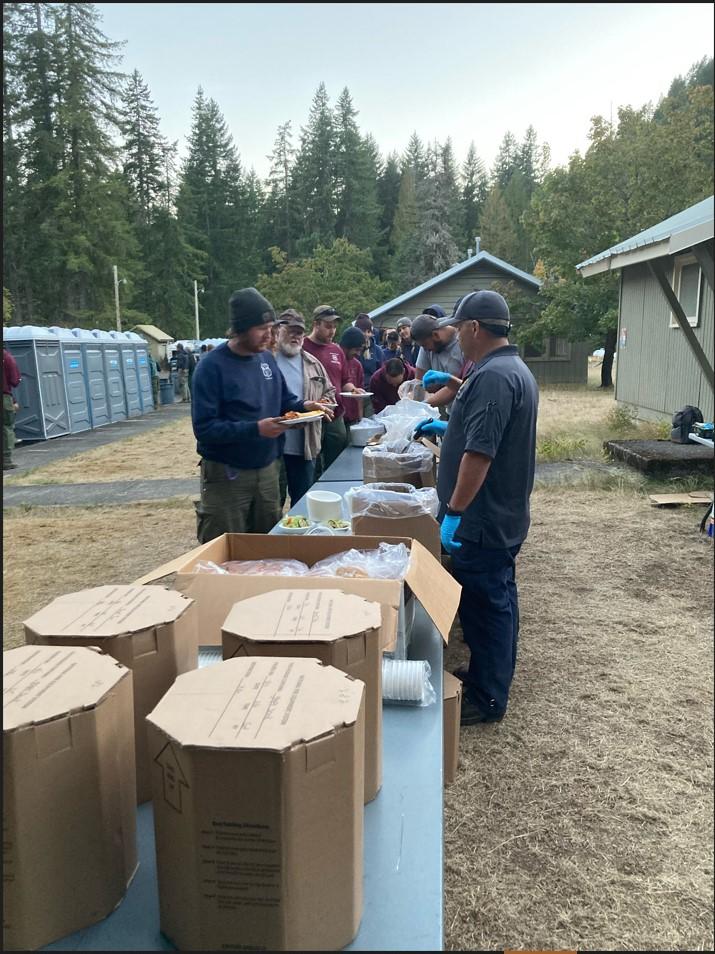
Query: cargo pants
{"points": [[8, 428], [489, 614], [237, 501], [334, 442]]}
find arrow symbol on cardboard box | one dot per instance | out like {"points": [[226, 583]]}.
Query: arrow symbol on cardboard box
{"points": [[173, 774]]}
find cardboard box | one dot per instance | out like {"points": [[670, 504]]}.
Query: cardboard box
{"points": [[149, 629], [337, 628], [215, 594], [258, 806], [69, 809], [411, 522], [380, 468], [451, 711]]}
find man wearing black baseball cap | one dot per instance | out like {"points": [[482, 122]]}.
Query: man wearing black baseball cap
{"points": [[486, 475], [238, 392]]}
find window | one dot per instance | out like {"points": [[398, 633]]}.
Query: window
{"points": [[537, 350], [687, 279], [560, 348]]}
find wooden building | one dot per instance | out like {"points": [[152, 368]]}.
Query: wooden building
{"points": [[665, 318], [558, 361]]}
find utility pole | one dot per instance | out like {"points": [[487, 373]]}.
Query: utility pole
{"points": [[196, 308], [116, 298]]}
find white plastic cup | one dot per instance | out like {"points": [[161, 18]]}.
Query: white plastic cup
{"points": [[324, 505]]}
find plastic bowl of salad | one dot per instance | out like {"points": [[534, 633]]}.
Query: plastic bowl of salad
{"points": [[295, 524], [337, 526]]}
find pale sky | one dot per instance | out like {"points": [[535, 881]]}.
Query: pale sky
{"points": [[471, 71]]}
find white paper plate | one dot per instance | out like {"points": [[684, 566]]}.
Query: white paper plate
{"points": [[299, 421], [364, 394]]}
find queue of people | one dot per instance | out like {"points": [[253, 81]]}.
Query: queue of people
{"points": [[488, 400]]}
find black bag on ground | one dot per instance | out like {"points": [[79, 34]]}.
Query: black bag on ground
{"points": [[683, 421]]}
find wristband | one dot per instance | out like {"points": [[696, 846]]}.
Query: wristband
{"points": [[454, 513]]}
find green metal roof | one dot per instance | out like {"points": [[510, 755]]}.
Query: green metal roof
{"points": [[680, 231]]}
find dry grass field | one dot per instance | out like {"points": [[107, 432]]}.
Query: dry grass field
{"points": [[584, 819]]}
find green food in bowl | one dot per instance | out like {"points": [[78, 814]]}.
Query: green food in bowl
{"points": [[337, 524], [295, 523]]}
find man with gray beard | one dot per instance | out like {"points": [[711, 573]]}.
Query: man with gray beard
{"points": [[309, 380]]}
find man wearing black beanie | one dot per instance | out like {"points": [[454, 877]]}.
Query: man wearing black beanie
{"points": [[238, 392]]}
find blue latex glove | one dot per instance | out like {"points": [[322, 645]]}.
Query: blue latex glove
{"points": [[436, 378], [449, 527], [430, 428]]}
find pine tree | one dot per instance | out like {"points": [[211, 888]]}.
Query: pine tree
{"points": [[280, 213], [210, 205], [388, 193], [499, 235], [143, 149], [506, 162], [355, 178], [474, 193], [314, 176], [415, 158]]}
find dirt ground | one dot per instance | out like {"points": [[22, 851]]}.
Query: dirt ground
{"points": [[583, 820]]}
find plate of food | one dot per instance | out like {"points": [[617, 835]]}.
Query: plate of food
{"points": [[296, 418], [297, 524], [356, 394], [337, 526]]}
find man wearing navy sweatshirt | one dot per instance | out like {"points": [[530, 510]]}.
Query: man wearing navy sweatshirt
{"points": [[238, 392]]}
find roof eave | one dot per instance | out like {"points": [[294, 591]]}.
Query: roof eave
{"points": [[632, 257]]}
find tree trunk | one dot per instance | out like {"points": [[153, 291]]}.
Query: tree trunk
{"points": [[609, 348]]}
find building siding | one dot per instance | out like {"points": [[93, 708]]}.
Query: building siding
{"points": [[483, 275], [657, 370]]}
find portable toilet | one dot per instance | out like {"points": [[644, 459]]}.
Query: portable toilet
{"points": [[128, 358], [41, 393], [95, 376], [114, 379], [141, 351], [75, 380]]}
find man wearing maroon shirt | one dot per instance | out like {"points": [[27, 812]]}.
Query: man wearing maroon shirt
{"points": [[353, 342], [319, 343], [10, 380], [387, 379]]}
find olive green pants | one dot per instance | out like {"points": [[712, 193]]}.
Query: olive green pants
{"points": [[248, 503], [335, 440], [8, 428]]}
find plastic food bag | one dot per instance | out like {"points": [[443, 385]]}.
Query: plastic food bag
{"points": [[388, 562], [273, 567], [406, 682], [414, 390], [401, 419], [208, 567], [391, 500], [392, 462]]}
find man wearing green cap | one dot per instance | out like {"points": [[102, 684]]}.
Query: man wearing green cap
{"points": [[238, 392]]}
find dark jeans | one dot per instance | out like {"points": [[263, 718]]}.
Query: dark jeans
{"points": [[489, 614], [334, 442], [297, 476]]}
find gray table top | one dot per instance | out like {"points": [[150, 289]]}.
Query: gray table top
{"points": [[347, 466]]}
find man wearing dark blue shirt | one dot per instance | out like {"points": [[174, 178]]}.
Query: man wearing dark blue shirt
{"points": [[238, 392], [486, 474]]}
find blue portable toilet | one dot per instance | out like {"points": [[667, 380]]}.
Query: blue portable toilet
{"points": [[128, 359], [75, 380], [95, 376], [141, 351], [113, 376], [41, 393]]}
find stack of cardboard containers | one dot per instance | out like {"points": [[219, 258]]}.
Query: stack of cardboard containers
{"points": [[337, 628], [69, 808], [258, 774], [150, 630]]}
